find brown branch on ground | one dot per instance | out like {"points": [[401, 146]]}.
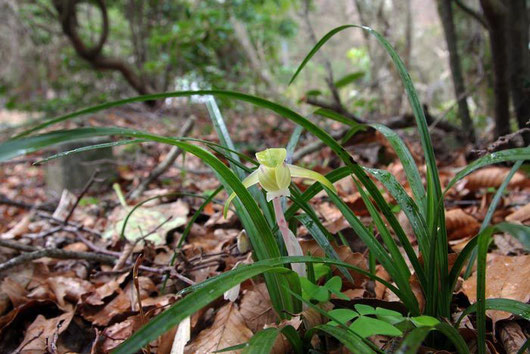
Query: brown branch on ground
{"points": [[315, 146], [331, 106], [44, 207], [85, 189], [502, 142], [56, 253]]}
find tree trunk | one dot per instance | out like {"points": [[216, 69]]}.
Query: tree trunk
{"points": [[496, 14], [519, 57], [445, 12]]}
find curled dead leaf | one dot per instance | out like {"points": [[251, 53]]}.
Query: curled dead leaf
{"points": [[125, 301], [228, 329], [493, 177], [459, 224], [521, 215], [256, 308], [41, 336]]}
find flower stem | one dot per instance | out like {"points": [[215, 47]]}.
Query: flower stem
{"points": [[291, 243]]}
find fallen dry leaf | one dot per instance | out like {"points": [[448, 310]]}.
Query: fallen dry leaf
{"points": [[68, 289], [512, 336], [379, 287], [256, 308], [228, 329], [107, 288], [41, 336], [312, 318], [493, 177], [503, 280], [119, 332], [520, 215], [459, 224], [125, 301], [20, 227]]}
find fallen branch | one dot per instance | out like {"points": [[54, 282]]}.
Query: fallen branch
{"points": [[87, 186], [44, 207], [165, 164], [58, 254], [315, 146], [334, 107]]}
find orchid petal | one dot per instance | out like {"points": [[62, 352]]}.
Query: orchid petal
{"points": [[248, 182], [283, 176], [267, 178], [297, 171], [279, 193], [272, 157]]}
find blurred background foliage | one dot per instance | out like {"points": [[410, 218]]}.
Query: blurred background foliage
{"points": [[254, 46]]}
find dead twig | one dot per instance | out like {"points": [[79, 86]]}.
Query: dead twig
{"points": [[85, 189], [17, 246], [58, 254], [315, 146], [44, 207]]}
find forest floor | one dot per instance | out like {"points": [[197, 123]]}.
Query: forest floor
{"points": [[79, 299]]}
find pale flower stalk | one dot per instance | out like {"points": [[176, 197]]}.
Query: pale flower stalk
{"points": [[274, 175]]}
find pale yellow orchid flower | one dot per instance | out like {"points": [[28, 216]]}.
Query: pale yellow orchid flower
{"points": [[274, 175]]}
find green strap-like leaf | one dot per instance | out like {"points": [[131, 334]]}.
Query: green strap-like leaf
{"points": [[455, 337], [350, 341], [412, 342], [262, 342], [491, 210], [380, 253], [409, 166], [484, 239], [514, 307], [517, 154], [213, 288], [318, 231]]}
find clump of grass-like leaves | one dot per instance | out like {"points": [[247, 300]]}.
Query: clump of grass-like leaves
{"points": [[425, 212]]}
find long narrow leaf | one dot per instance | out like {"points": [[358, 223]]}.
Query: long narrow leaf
{"points": [[262, 342], [484, 239], [517, 154], [412, 342], [491, 210], [409, 166], [379, 252], [455, 337], [317, 230], [508, 305], [213, 288]]}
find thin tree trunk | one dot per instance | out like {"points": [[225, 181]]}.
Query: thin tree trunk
{"points": [[496, 14], [445, 11], [519, 57]]}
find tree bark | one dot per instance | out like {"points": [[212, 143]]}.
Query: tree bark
{"points": [[445, 12], [519, 57], [496, 14]]}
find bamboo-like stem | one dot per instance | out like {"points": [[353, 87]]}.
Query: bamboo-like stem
{"points": [[291, 243]]}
